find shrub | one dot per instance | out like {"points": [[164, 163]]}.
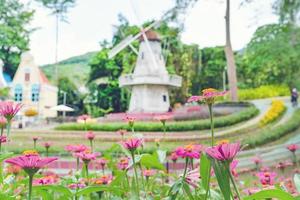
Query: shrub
{"points": [[265, 91], [276, 110], [223, 121], [273, 133]]}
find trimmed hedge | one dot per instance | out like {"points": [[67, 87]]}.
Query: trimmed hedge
{"points": [[223, 121], [265, 91], [271, 134]]}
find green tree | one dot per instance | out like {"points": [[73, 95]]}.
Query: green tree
{"points": [[14, 34]]}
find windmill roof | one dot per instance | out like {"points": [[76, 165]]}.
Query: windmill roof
{"points": [[44, 78], [151, 35]]}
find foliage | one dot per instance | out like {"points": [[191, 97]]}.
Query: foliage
{"points": [[276, 110], [14, 33], [265, 91], [273, 133], [270, 57], [58, 7], [4, 93], [223, 121]]}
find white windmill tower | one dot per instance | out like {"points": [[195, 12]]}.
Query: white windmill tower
{"points": [[149, 83]]}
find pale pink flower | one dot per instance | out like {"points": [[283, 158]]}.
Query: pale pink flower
{"points": [[102, 162], [130, 120], [190, 151], [3, 121], [47, 145], [103, 180], [30, 164], [267, 178], [250, 191], [132, 144], [87, 156], [293, 147], [35, 138], [84, 118], [47, 180], [233, 166], [257, 160], [208, 95], [174, 157], [162, 118], [76, 148], [123, 163], [224, 152], [9, 109], [90, 135], [148, 172], [283, 165], [193, 178], [122, 132]]}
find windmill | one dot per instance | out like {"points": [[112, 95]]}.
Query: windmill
{"points": [[149, 83]]}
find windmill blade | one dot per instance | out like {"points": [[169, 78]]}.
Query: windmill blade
{"points": [[143, 32], [119, 47]]}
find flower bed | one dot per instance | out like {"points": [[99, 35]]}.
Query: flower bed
{"points": [[265, 91], [271, 134], [223, 121], [275, 112]]}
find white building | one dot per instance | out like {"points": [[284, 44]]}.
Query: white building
{"points": [[150, 81]]}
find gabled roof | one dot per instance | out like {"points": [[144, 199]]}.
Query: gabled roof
{"points": [[43, 77]]}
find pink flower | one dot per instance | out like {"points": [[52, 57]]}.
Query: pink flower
{"points": [[283, 165], [163, 118], [267, 178], [75, 186], [293, 147], [208, 95], [122, 132], [35, 138], [123, 163], [47, 180], [132, 144], [30, 164], [84, 118], [257, 160], [148, 172], [191, 151], [130, 120], [90, 135], [174, 156], [233, 166], [3, 139], [102, 162], [3, 121], [250, 191], [103, 180], [47, 145], [193, 178], [224, 152], [9, 109], [76, 148], [87, 156]]}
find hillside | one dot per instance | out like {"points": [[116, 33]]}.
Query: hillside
{"points": [[75, 68]]}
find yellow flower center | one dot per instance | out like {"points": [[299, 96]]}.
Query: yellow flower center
{"points": [[209, 90], [189, 148], [222, 142], [30, 153]]}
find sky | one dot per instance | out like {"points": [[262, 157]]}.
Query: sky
{"points": [[91, 21]]}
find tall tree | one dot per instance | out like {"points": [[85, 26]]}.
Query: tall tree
{"points": [[14, 33], [59, 8], [231, 66]]}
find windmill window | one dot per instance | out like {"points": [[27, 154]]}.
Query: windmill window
{"points": [[27, 74], [35, 93], [164, 98], [18, 93]]}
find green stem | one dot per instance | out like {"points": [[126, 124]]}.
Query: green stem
{"points": [[91, 144], [211, 124], [86, 166], [30, 186], [47, 152], [135, 174], [233, 182], [34, 145], [208, 186], [185, 168], [77, 164]]}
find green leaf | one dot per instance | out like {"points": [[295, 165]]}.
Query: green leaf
{"points": [[162, 155], [56, 188], [268, 194], [174, 190], [4, 156], [151, 161], [222, 178], [205, 167], [90, 189], [187, 190], [297, 182]]}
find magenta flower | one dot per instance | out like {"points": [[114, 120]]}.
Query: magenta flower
{"points": [[47, 145], [76, 148], [3, 139], [293, 147], [122, 132], [30, 164], [257, 160], [47, 180], [190, 151], [102, 162], [87, 156], [9, 109], [35, 138], [90, 135], [174, 157], [148, 172], [132, 144], [208, 95], [267, 178], [224, 152], [76, 186], [283, 165], [123, 163]]}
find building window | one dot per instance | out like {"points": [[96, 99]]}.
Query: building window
{"points": [[164, 98], [35, 93], [18, 93], [27, 74]]}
